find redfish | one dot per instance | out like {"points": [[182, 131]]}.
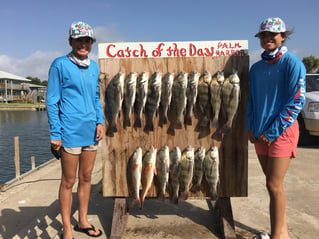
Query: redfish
{"points": [[136, 172], [148, 171]]}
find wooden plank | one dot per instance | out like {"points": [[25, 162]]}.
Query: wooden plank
{"points": [[17, 156], [233, 148], [225, 221], [120, 216]]}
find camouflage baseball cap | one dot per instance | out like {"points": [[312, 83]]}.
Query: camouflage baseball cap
{"points": [[81, 29], [272, 24]]}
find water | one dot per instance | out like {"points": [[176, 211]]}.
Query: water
{"points": [[34, 140]]}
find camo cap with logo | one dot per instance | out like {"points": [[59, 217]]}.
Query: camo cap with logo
{"points": [[272, 24], [81, 29]]}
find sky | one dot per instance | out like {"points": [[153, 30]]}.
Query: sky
{"points": [[35, 32]]}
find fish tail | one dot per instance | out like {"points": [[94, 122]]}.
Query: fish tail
{"points": [[111, 129], [188, 120], [195, 188], [138, 122], [184, 195], [215, 123], [214, 196], [178, 124], [142, 198], [165, 119], [162, 119], [127, 121], [175, 200], [161, 197], [149, 126], [226, 129], [136, 202], [204, 122]]}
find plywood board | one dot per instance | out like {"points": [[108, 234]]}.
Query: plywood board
{"points": [[118, 148]]}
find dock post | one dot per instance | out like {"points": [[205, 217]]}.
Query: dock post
{"points": [[32, 162], [17, 155]]}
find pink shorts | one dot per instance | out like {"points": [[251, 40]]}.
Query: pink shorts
{"points": [[284, 146]]}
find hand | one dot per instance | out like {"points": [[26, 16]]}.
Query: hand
{"points": [[99, 132], [263, 139], [56, 144], [251, 136]]}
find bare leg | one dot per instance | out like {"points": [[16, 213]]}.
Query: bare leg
{"points": [[87, 159], [275, 170], [69, 163]]}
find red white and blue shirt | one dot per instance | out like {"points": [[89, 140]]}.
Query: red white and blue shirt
{"points": [[276, 95]]}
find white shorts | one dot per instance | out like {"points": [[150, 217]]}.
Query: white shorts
{"points": [[78, 150]]}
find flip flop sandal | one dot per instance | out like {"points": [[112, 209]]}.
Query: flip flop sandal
{"points": [[262, 235], [87, 230]]}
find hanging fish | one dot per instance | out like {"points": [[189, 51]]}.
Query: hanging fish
{"points": [[162, 170], [216, 95], [174, 172], [198, 169], [148, 171], [231, 91], [191, 95], [166, 96], [203, 98], [179, 98], [140, 99], [114, 98], [186, 171], [136, 172], [153, 99], [129, 97], [211, 170]]}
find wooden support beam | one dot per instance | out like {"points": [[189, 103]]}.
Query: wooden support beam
{"points": [[223, 212], [120, 216], [17, 156]]}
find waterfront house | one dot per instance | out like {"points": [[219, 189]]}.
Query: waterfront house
{"points": [[15, 88]]}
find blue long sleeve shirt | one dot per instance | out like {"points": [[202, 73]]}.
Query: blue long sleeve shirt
{"points": [[73, 102], [276, 95]]}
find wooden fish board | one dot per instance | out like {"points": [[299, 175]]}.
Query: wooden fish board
{"points": [[120, 216], [233, 148]]}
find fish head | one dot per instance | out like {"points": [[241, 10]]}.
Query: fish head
{"points": [[131, 78], [220, 77], [193, 78], [206, 77], [214, 153], [200, 152], [143, 78], [234, 79]]}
